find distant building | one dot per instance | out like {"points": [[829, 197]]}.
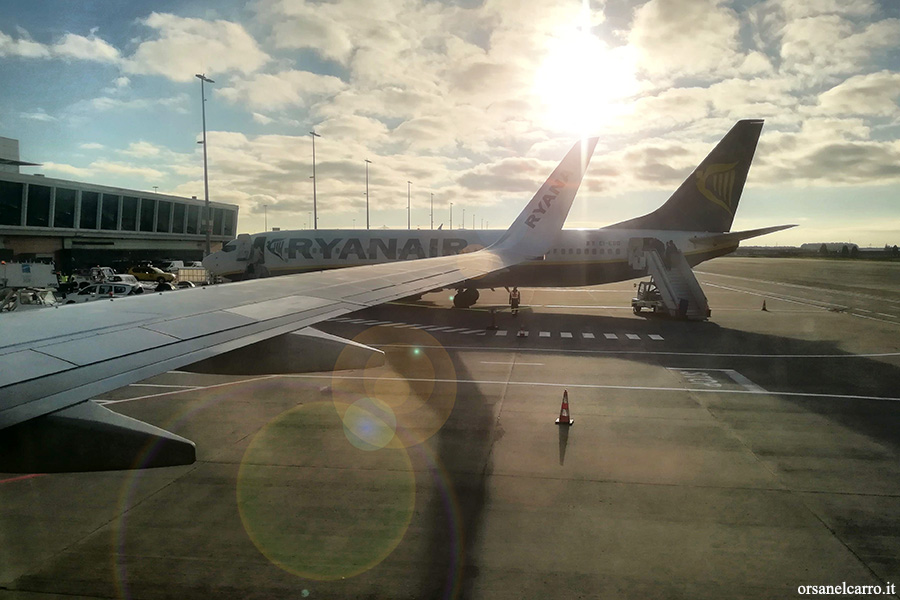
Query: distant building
{"points": [[79, 224]]}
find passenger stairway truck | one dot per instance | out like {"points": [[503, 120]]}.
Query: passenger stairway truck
{"points": [[679, 289]]}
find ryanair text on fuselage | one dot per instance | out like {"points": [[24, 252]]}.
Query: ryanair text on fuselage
{"points": [[353, 247]]}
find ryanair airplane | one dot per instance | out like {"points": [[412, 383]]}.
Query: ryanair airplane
{"points": [[696, 221]]}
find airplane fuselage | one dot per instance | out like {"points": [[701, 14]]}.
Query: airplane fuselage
{"points": [[578, 257]]}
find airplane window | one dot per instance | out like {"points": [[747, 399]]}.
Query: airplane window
{"points": [[617, 251], [579, 251], [594, 251], [229, 247], [570, 251]]}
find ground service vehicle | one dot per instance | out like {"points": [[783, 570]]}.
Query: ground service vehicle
{"points": [[648, 297]]}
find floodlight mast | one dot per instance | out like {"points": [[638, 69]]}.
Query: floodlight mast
{"points": [[315, 210], [204, 79]]}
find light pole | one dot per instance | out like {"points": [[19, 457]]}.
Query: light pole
{"points": [[432, 210], [408, 220], [315, 211], [155, 188], [451, 215], [368, 162], [204, 79], [463, 224], [266, 216]]}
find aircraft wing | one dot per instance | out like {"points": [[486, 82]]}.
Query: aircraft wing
{"points": [[51, 365]]}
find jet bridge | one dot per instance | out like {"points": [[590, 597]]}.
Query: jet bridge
{"points": [[679, 289]]}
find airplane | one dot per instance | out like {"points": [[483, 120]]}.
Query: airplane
{"points": [[51, 369], [697, 220]]}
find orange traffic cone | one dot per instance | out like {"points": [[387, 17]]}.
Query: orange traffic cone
{"points": [[764, 306], [564, 418]]}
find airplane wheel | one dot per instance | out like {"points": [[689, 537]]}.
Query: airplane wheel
{"points": [[465, 298], [636, 309]]}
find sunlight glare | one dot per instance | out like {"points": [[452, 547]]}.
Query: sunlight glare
{"points": [[583, 84]]}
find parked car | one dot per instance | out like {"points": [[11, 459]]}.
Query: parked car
{"points": [[99, 291], [172, 266], [120, 278], [148, 273]]}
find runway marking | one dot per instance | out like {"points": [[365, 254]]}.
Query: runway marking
{"points": [[886, 315], [527, 364], [160, 385], [456, 330], [617, 307], [544, 334], [644, 352], [804, 287], [610, 336], [468, 331], [588, 336], [710, 382], [654, 336], [568, 385], [404, 325], [565, 334], [501, 333], [632, 336]]}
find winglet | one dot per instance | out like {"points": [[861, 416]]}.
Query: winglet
{"points": [[537, 226]]}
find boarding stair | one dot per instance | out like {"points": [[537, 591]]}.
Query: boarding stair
{"points": [[679, 289]]}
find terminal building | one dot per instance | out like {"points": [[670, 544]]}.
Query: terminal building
{"points": [[79, 225]]}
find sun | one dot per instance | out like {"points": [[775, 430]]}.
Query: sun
{"points": [[583, 84]]}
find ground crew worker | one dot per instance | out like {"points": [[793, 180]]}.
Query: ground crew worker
{"points": [[514, 301]]}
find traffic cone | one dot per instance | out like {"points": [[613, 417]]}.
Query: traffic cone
{"points": [[564, 418], [764, 309]]}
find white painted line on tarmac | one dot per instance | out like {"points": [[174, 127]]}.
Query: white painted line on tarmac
{"points": [[588, 336], [619, 307], [632, 336], [565, 334], [886, 315], [526, 364], [441, 327], [862, 310], [596, 386], [803, 287], [404, 325], [160, 385], [456, 330], [610, 336], [501, 333], [654, 336], [734, 375], [643, 352], [544, 334]]}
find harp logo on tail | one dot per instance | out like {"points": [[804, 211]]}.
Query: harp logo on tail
{"points": [[716, 183]]}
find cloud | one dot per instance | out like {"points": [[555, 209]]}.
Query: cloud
{"points": [[187, 46], [70, 46], [22, 47], [104, 166], [177, 103], [262, 119], [678, 38], [85, 48], [872, 94], [38, 115], [280, 90]]}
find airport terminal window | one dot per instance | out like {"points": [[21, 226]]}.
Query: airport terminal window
{"points": [[217, 221], [38, 212], [193, 215], [162, 216], [228, 226], [147, 208], [178, 218], [89, 203], [571, 251], [64, 212], [109, 214], [10, 203], [129, 213]]}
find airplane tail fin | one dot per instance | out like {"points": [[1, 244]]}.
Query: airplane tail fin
{"points": [[708, 198], [538, 225]]}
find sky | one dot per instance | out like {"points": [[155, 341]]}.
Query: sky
{"points": [[473, 102]]}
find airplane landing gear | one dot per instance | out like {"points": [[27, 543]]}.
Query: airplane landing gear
{"points": [[465, 298]]}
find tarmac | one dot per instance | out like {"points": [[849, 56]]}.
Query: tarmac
{"points": [[743, 457]]}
